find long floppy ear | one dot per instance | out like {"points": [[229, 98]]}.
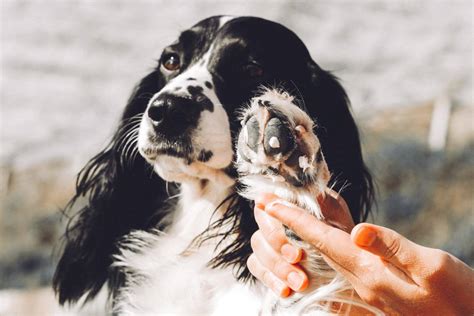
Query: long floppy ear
{"points": [[329, 106], [121, 193]]}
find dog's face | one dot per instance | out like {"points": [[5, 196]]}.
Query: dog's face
{"points": [[212, 70], [185, 116]]}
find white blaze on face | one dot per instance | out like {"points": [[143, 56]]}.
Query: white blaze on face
{"points": [[212, 133], [224, 19], [213, 129]]}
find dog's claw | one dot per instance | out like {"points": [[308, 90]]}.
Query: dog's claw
{"points": [[300, 129]]}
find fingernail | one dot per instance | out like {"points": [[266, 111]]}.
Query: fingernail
{"points": [[365, 236], [260, 206], [270, 205], [282, 290], [277, 203], [296, 281], [262, 199], [290, 253]]}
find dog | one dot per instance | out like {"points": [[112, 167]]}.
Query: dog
{"points": [[166, 212]]}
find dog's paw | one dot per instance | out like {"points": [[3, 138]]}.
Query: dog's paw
{"points": [[277, 145]]}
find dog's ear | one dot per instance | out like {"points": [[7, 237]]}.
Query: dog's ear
{"points": [[118, 192], [328, 104]]}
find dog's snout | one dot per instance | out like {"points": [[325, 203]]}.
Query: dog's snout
{"points": [[277, 137], [171, 114]]}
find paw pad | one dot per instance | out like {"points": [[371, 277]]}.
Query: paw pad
{"points": [[278, 138]]}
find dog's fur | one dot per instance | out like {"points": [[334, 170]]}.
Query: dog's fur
{"points": [[162, 224]]}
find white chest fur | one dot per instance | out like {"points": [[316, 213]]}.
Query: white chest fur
{"points": [[166, 277]]}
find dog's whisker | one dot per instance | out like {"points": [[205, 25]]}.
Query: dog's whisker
{"points": [[126, 133], [128, 159], [126, 137], [130, 121], [125, 143], [124, 130], [300, 97], [129, 148], [130, 126], [151, 173], [135, 152]]}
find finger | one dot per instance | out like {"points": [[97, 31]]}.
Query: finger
{"points": [[293, 275], [356, 265], [274, 234], [335, 210], [264, 199], [389, 245], [266, 277], [305, 225], [331, 242]]}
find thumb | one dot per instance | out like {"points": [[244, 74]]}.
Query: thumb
{"points": [[388, 245]]}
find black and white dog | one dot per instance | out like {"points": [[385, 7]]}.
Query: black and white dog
{"points": [[165, 226]]}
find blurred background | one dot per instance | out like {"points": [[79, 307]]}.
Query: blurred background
{"points": [[68, 67]]}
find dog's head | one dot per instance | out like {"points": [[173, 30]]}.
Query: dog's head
{"points": [[204, 78], [183, 120]]}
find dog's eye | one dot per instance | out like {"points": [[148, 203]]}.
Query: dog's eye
{"points": [[171, 62], [253, 70]]}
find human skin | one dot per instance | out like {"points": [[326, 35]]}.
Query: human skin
{"points": [[386, 270]]}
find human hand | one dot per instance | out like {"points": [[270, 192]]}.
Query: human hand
{"points": [[275, 260], [386, 270]]}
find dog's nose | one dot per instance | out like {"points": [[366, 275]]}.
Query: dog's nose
{"points": [[172, 114], [156, 113]]}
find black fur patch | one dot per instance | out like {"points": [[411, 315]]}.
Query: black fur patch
{"points": [[205, 155], [200, 99], [208, 85], [195, 90], [319, 156]]}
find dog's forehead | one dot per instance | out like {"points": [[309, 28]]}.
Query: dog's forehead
{"points": [[258, 39], [198, 39], [212, 23], [257, 31], [237, 30], [206, 28]]}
